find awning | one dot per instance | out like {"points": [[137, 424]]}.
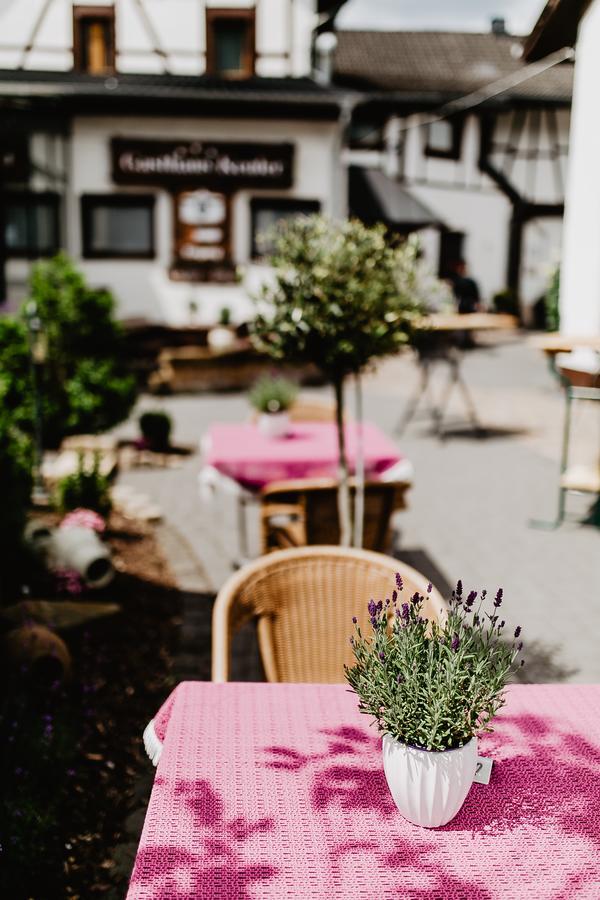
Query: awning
{"points": [[374, 197]]}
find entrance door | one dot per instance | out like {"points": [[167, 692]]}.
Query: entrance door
{"points": [[202, 236]]}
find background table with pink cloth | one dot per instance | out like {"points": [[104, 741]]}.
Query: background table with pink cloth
{"points": [[310, 450], [275, 791]]}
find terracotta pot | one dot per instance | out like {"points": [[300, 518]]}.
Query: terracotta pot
{"points": [[428, 787], [41, 652]]}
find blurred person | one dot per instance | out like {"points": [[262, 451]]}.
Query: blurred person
{"points": [[465, 289]]}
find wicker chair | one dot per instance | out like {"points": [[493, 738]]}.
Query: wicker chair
{"points": [[305, 512], [304, 600]]}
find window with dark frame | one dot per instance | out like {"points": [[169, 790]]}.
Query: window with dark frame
{"points": [[230, 42], [443, 138], [268, 212], [117, 226], [94, 50], [31, 224]]}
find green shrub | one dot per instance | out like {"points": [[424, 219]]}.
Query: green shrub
{"points": [[86, 488], [16, 463], [273, 394], [551, 302], [155, 426], [83, 383]]}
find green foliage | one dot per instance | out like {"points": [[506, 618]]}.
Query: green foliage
{"points": [[16, 463], [272, 395], [225, 316], [16, 396], [83, 384], [155, 426], [342, 295], [432, 686], [551, 302], [86, 488]]}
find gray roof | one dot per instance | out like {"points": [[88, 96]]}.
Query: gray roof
{"points": [[442, 65], [72, 91]]}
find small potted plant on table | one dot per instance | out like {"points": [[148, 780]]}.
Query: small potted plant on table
{"points": [[432, 688], [272, 397]]}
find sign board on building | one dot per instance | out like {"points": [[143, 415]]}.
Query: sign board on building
{"points": [[209, 164], [14, 159]]}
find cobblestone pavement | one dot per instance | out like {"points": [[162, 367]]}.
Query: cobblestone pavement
{"points": [[470, 507]]}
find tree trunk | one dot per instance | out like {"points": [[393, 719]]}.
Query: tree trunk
{"points": [[343, 487], [359, 499]]}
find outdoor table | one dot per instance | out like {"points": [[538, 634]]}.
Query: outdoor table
{"points": [[436, 342], [277, 790], [309, 450]]}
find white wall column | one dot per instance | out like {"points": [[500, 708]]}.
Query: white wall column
{"points": [[580, 272]]}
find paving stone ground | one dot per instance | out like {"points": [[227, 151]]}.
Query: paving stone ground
{"points": [[470, 507]]}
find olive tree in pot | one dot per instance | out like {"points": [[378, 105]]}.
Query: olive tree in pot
{"points": [[342, 296], [432, 688]]}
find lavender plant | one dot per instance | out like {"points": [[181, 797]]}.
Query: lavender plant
{"points": [[428, 684]]}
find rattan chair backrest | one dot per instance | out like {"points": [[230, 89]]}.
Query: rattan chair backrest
{"points": [[317, 502], [304, 600]]}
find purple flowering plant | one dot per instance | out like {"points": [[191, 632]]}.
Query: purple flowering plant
{"points": [[433, 678]]}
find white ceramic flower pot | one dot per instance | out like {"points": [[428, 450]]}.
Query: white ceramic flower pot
{"points": [[82, 550], [274, 425], [428, 787]]}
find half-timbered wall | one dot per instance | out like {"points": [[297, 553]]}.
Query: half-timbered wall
{"points": [[507, 183], [155, 35]]}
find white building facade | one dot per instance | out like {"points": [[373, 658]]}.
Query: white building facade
{"points": [[155, 141]]}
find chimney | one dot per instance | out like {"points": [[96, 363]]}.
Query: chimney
{"points": [[499, 25]]}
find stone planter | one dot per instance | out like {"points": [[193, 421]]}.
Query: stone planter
{"points": [[428, 787]]}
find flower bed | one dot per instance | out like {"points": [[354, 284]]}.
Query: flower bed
{"points": [[71, 755]]}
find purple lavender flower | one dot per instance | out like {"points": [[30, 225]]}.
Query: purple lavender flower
{"points": [[517, 631], [459, 590], [455, 642], [399, 582], [415, 597], [379, 606], [429, 588], [471, 599], [498, 600], [373, 621], [520, 646], [502, 624], [405, 612], [354, 620], [476, 619], [372, 607], [381, 655], [394, 596]]}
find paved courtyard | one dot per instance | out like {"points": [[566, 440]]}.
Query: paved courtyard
{"points": [[470, 507]]}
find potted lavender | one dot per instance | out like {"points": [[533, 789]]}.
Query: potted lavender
{"points": [[432, 688]]}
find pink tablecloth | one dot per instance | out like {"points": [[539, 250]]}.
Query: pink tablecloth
{"points": [[309, 451], [277, 791]]}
